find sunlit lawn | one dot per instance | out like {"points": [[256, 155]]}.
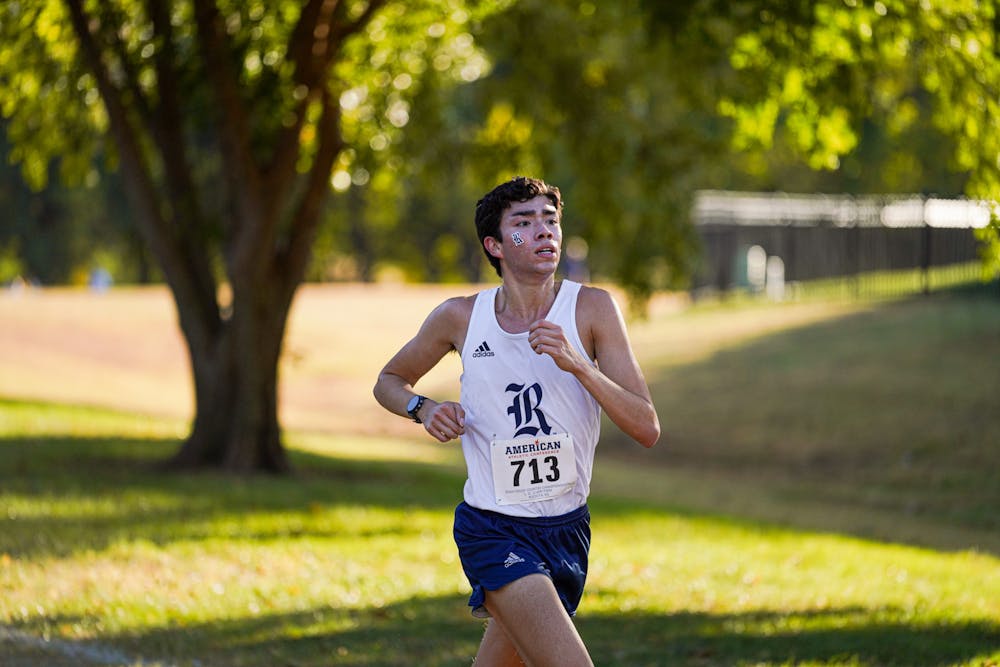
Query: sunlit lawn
{"points": [[726, 546], [351, 562]]}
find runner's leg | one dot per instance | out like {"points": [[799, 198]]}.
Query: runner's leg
{"points": [[537, 624], [496, 649]]}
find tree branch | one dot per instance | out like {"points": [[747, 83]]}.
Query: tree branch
{"points": [[308, 73], [151, 222], [138, 175], [292, 261], [168, 131], [314, 42], [301, 40], [344, 29], [111, 18], [252, 222]]}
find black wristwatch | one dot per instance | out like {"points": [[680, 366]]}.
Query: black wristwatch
{"points": [[413, 407]]}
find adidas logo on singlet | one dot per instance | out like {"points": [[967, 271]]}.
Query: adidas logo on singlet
{"points": [[483, 351]]}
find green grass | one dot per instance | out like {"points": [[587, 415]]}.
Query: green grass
{"points": [[882, 422], [350, 562], [826, 493]]}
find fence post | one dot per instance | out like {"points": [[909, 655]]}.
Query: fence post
{"points": [[856, 251], [925, 260]]}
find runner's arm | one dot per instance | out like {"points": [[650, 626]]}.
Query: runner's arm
{"points": [[617, 382], [394, 387]]}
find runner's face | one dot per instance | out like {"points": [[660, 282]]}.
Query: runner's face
{"points": [[530, 235]]}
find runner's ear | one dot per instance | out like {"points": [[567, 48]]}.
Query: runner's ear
{"points": [[493, 247]]}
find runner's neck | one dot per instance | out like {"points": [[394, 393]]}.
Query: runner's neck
{"points": [[518, 306]]}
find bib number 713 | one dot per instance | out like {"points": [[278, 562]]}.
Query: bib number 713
{"points": [[551, 475], [530, 469]]}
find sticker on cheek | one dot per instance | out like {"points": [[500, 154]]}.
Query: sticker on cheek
{"points": [[516, 238]]}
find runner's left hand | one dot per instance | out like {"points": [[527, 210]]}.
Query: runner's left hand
{"points": [[548, 338]]}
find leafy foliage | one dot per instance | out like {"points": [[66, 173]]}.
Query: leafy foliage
{"points": [[823, 71], [228, 119], [628, 106], [575, 93]]}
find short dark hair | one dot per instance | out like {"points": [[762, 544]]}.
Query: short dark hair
{"points": [[490, 208]]}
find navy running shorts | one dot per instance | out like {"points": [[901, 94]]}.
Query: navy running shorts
{"points": [[496, 549]]}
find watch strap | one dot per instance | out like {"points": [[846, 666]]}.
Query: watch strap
{"points": [[416, 408]]}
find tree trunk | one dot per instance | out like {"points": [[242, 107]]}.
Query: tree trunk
{"points": [[270, 217], [360, 235], [235, 372]]}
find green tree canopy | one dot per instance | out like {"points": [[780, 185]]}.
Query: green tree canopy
{"points": [[631, 105], [228, 121], [818, 70]]}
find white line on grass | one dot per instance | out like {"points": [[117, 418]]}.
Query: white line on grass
{"points": [[93, 653]]}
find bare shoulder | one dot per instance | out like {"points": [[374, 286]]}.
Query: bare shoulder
{"points": [[596, 304], [456, 310], [598, 320], [450, 320]]}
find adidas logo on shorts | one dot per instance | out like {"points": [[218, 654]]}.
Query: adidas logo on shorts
{"points": [[512, 559], [483, 351]]}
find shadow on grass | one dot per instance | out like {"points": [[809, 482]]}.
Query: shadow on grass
{"points": [[852, 635], [890, 411], [903, 385], [89, 493], [104, 491], [438, 631], [424, 631]]}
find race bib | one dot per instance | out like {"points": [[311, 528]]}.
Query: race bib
{"points": [[533, 468]]}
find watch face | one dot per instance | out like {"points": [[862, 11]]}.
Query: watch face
{"points": [[412, 405]]}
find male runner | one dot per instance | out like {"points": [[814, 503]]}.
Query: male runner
{"points": [[541, 358]]}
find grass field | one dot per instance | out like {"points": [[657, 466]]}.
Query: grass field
{"points": [[826, 493]]}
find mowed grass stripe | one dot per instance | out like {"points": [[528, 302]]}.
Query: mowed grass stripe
{"points": [[351, 562]]}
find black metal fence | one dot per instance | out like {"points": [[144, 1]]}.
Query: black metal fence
{"points": [[870, 245]]}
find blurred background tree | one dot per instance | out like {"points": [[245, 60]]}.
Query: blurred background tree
{"points": [[225, 121], [631, 106], [694, 94], [921, 79]]}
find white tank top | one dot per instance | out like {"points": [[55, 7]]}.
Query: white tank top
{"points": [[509, 391]]}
